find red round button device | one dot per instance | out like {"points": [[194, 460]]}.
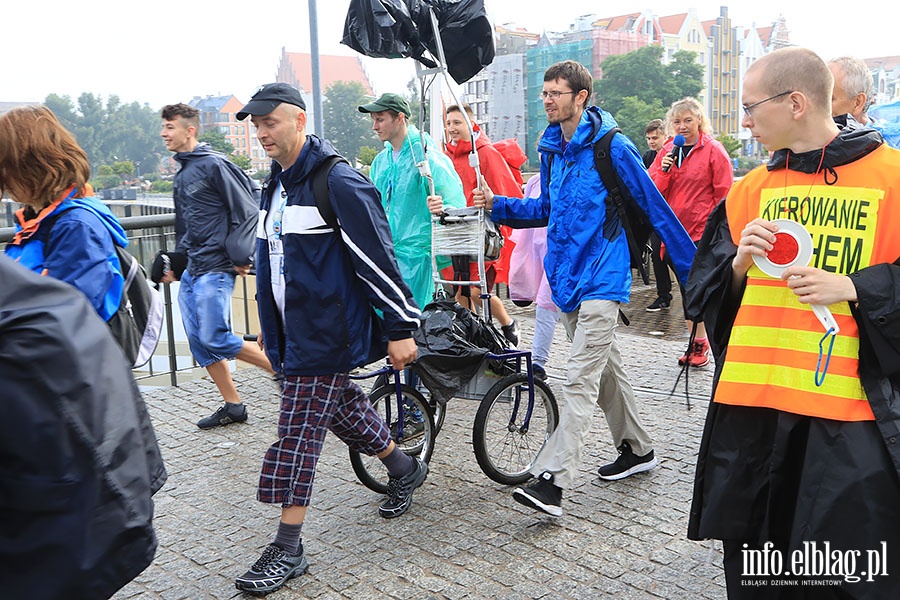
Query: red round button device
{"points": [[793, 246]]}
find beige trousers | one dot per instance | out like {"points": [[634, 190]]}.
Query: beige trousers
{"points": [[595, 374]]}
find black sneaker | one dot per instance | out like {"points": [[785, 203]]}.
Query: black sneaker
{"points": [[659, 304], [413, 424], [539, 372], [224, 416], [400, 491], [272, 570], [541, 495], [627, 464], [511, 332]]}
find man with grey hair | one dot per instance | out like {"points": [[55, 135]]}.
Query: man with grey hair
{"points": [[854, 89]]}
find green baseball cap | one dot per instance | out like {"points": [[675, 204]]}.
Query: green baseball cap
{"points": [[387, 102]]}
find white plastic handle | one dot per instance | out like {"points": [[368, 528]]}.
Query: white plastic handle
{"points": [[826, 318]]}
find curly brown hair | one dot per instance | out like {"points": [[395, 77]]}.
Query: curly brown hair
{"points": [[39, 157]]}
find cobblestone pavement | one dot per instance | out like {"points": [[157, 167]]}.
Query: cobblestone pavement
{"points": [[464, 536]]}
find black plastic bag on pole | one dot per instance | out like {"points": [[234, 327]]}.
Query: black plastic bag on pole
{"points": [[403, 29]]}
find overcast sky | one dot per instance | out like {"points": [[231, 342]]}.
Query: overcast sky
{"points": [[161, 53]]}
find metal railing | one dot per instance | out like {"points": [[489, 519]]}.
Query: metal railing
{"points": [[147, 235]]}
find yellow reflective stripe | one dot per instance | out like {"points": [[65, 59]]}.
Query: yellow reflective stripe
{"points": [[782, 297], [793, 339], [793, 379]]}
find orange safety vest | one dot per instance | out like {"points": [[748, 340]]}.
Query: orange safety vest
{"points": [[773, 349]]}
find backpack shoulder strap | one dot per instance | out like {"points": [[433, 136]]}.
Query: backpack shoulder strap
{"points": [[604, 165], [603, 162], [320, 190]]}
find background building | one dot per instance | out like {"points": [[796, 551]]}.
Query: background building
{"points": [[295, 68], [218, 113]]}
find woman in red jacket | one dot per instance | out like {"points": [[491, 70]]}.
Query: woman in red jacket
{"points": [[693, 178], [499, 177]]}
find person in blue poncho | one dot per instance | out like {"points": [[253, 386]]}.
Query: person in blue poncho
{"points": [[43, 168]]}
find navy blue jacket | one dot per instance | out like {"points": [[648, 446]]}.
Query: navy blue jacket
{"points": [[333, 281], [215, 212]]}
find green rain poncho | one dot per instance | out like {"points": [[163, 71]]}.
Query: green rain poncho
{"points": [[403, 194]]}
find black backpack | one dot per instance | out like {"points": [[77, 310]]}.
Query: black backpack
{"points": [[137, 324], [620, 202]]}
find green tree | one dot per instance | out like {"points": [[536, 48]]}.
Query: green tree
{"points": [[216, 139], [347, 129], [732, 145], [161, 187], [241, 160], [123, 168], [367, 154], [640, 74], [111, 129], [414, 97], [634, 116], [105, 182]]}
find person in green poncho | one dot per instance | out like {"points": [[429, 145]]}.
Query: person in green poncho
{"points": [[405, 193]]}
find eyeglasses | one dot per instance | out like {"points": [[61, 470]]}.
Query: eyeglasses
{"points": [[747, 109], [554, 95]]}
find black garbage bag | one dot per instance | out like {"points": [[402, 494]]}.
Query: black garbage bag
{"points": [[402, 29], [381, 29], [452, 345]]}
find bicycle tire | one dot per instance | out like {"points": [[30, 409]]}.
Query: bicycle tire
{"points": [[369, 469], [503, 450], [439, 411]]}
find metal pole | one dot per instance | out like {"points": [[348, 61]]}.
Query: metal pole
{"points": [[314, 58]]}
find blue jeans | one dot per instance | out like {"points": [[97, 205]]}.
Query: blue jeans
{"points": [[206, 313], [544, 324]]}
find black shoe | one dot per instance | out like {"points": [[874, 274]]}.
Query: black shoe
{"points": [[511, 332], [224, 416], [541, 495], [627, 464], [539, 372], [413, 424], [400, 491], [659, 304], [272, 570]]}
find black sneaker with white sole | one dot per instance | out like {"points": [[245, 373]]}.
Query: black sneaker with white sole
{"points": [[541, 495], [400, 491], [627, 464], [659, 304], [272, 570]]}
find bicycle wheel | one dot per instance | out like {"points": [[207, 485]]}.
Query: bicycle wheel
{"points": [[504, 446], [415, 439], [439, 411]]}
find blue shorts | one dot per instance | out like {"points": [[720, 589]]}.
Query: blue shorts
{"points": [[206, 313]]}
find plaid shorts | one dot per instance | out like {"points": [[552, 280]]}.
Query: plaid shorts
{"points": [[310, 406]]}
